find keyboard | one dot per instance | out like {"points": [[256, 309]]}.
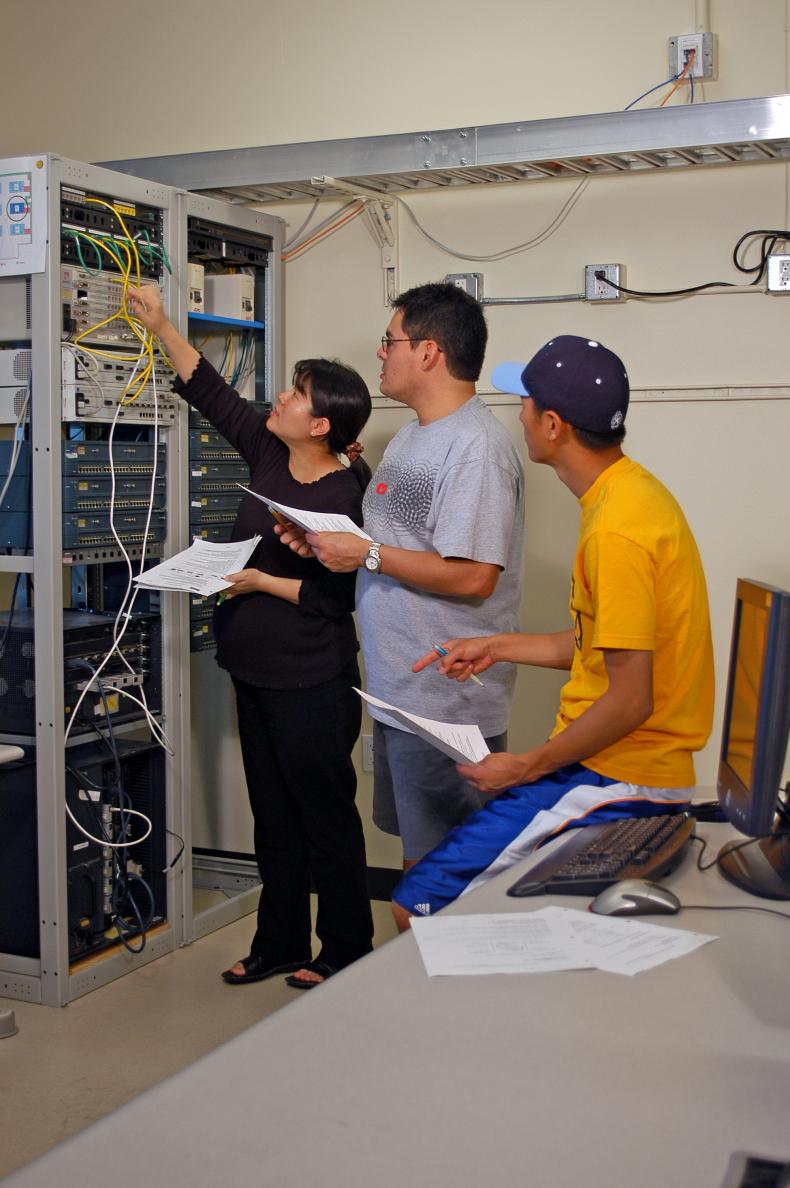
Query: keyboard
{"points": [[596, 856]]}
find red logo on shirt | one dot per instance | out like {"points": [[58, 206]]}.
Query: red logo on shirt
{"points": [[381, 488]]}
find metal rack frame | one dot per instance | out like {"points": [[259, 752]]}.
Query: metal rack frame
{"points": [[51, 979]]}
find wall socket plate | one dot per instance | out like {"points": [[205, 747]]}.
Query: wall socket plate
{"points": [[705, 63], [596, 288], [367, 752], [470, 282], [779, 272]]}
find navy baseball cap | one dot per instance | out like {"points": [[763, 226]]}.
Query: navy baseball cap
{"points": [[578, 378]]}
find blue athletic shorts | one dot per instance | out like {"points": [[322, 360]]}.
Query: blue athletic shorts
{"points": [[514, 823], [417, 791]]}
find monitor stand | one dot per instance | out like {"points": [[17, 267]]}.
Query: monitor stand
{"points": [[761, 869]]}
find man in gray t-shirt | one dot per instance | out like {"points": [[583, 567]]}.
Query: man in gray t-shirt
{"points": [[445, 510]]}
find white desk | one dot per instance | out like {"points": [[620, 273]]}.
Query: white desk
{"points": [[384, 1078]]}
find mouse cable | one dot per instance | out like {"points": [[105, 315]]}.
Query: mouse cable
{"points": [[728, 907]]}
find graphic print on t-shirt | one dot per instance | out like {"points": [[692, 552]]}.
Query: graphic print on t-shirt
{"points": [[407, 493]]}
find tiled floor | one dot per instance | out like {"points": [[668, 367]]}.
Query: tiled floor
{"points": [[67, 1067]]}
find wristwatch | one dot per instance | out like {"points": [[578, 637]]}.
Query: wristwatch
{"points": [[373, 558]]}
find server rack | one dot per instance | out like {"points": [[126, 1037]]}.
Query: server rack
{"points": [[63, 565]]}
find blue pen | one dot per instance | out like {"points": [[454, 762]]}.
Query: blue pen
{"points": [[443, 652]]}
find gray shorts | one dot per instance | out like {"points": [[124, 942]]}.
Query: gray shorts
{"points": [[417, 791]]}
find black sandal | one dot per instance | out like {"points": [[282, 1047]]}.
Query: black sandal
{"points": [[256, 969], [318, 967]]}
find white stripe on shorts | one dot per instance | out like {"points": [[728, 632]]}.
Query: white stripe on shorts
{"points": [[576, 803]]}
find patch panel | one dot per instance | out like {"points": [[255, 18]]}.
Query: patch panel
{"points": [[207, 241], [80, 212]]}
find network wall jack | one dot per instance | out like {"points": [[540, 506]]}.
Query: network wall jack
{"points": [[704, 64]]}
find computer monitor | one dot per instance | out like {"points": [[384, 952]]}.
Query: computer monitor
{"points": [[754, 741]]}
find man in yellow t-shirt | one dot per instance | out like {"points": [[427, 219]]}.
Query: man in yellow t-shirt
{"points": [[639, 700]]}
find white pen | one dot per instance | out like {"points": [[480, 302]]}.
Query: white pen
{"points": [[443, 652]]}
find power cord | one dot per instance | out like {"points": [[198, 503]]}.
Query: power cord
{"points": [[712, 907], [769, 242]]}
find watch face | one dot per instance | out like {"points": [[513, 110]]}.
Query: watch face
{"points": [[372, 564]]}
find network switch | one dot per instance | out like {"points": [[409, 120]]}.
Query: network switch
{"points": [[94, 387], [87, 639]]}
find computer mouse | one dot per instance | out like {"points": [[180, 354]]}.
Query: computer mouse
{"points": [[635, 897]]}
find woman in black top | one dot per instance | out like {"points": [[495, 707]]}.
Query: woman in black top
{"points": [[285, 634]]}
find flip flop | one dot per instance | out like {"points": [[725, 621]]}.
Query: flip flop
{"points": [[256, 969], [318, 967]]}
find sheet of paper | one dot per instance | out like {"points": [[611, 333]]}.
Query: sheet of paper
{"points": [[463, 743], [201, 568], [310, 520], [515, 942], [623, 945]]}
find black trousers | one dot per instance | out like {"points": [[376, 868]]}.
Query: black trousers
{"points": [[296, 746]]}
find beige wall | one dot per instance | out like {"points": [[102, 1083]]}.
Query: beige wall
{"points": [[304, 71], [99, 82]]}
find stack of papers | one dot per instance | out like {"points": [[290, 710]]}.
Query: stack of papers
{"points": [[552, 938], [201, 568], [309, 520], [463, 743]]}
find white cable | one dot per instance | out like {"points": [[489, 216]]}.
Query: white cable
{"points": [[337, 214], [130, 596], [17, 447], [156, 728], [118, 635], [536, 240], [289, 242], [103, 841]]}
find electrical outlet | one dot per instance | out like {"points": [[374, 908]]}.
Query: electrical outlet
{"points": [[779, 273], [705, 64], [367, 752], [595, 282], [470, 282]]}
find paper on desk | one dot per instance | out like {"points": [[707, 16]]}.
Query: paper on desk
{"points": [[309, 520], [464, 744], [201, 568], [514, 942], [551, 938], [621, 945]]}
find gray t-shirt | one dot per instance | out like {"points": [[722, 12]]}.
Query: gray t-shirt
{"points": [[454, 487]]}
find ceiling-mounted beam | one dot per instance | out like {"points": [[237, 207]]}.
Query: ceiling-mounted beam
{"points": [[619, 142]]}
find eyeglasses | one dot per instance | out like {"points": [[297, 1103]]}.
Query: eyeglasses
{"points": [[387, 342]]}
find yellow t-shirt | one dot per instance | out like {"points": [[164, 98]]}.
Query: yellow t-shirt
{"points": [[638, 584]]}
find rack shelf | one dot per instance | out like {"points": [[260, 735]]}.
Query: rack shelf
{"points": [[241, 323]]}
